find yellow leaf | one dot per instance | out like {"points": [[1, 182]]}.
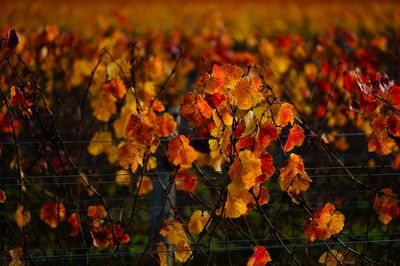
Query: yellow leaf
{"points": [[22, 217], [247, 93], [182, 251], [162, 254], [293, 179], [245, 169], [198, 221], [329, 260]]}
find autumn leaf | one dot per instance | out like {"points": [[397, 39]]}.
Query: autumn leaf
{"points": [[247, 93], [393, 125], [97, 211], [140, 128], [284, 115], [380, 143], [102, 236], [52, 213], [3, 196], [74, 224], [22, 217], [185, 181], [260, 257], [120, 123], [223, 76], [104, 107], [293, 179], [267, 165], [266, 134], [386, 206], [16, 254], [166, 125], [146, 186], [324, 223], [237, 201], [245, 169], [180, 152], [296, 138], [223, 114], [100, 143], [123, 178], [395, 93], [182, 251], [18, 98], [329, 259], [379, 123], [198, 221], [173, 231], [116, 87], [161, 249], [130, 155], [195, 109]]}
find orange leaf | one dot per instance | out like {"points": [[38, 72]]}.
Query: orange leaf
{"points": [[102, 236], [393, 125], [260, 257], [104, 107], [245, 169], [116, 87], [380, 143], [266, 134], [285, 115], [386, 206], [267, 165], [324, 223], [328, 259], [395, 93], [173, 231], [52, 213], [293, 179], [18, 98], [22, 217], [247, 93], [180, 152], [296, 138], [162, 254], [74, 224], [379, 123], [237, 201], [3, 196], [97, 211], [195, 109], [222, 76], [130, 155], [166, 125], [146, 187], [140, 128], [198, 221], [182, 251], [185, 181]]}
